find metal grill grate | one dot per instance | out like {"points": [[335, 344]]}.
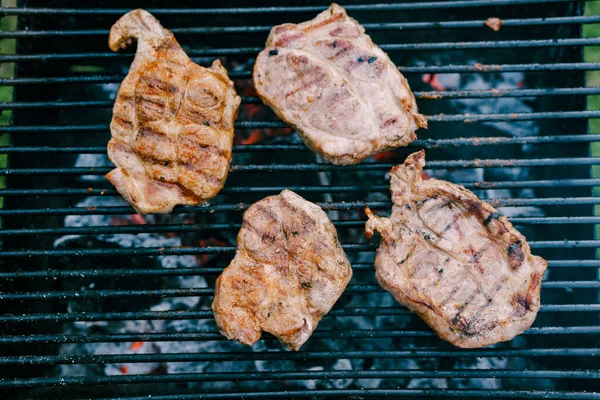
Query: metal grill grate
{"points": [[97, 305]]}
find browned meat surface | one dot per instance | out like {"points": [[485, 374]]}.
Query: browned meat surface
{"points": [[288, 272], [341, 92], [454, 260], [172, 125]]}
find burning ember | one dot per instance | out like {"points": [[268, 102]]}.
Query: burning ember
{"points": [[256, 112]]}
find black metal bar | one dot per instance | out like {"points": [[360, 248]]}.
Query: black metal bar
{"points": [[485, 68], [506, 44], [183, 209], [110, 293], [165, 251], [86, 273], [478, 68], [466, 118], [502, 202], [431, 95], [194, 292], [204, 314], [381, 26], [67, 381], [150, 228], [491, 163], [308, 189], [245, 356], [425, 143], [381, 393], [262, 10]]}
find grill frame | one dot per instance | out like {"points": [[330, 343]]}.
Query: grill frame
{"points": [[13, 198]]}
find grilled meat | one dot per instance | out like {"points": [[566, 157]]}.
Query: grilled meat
{"points": [[341, 92], [454, 260], [288, 272], [172, 125]]}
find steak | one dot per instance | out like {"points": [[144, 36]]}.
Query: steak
{"points": [[454, 260], [172, 125], [288, 272], [341, 92]]}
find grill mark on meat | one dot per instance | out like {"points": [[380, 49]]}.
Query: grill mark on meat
{"points": [[263, 235], [454, 221], [209, 148], [452, 293], [287, 39], [126, 98], [515, 255], [520, 305], [456, 321], [389, 122], [210, 178], [151, 104], [152, 82], [304, 86], [124, 123], [345, 47], [335, 17]]}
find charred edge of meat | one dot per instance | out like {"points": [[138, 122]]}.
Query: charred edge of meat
{"points": [[494, 215]]}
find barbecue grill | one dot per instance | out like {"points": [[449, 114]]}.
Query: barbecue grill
{"points": [[97, 302]]}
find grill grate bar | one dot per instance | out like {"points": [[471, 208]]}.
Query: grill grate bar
{"points": [[308, 189], [221, 356], [379, 393], [488, 45], [207, 314], [172, 251], [203, 314], [500, 202], [481, 163], [86, 273], [425, 143], [467, 118], [194, 292], [519, 22], [254, 376], [150, 228], [261, 10], [479, 68], [236, 148], [431, 95]]}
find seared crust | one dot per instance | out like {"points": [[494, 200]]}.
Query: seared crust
{"points": [[454, 260], [288, 272], [341, 92], [172, 125]]}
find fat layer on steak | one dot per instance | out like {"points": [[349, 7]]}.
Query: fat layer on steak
{"points": [[288, 272], [454, 260], [337, 88], [172, 125]]}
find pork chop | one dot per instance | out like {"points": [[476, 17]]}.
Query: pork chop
{"points": [[288, 272], [172, 125], [341, 92], [454, 260]]}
